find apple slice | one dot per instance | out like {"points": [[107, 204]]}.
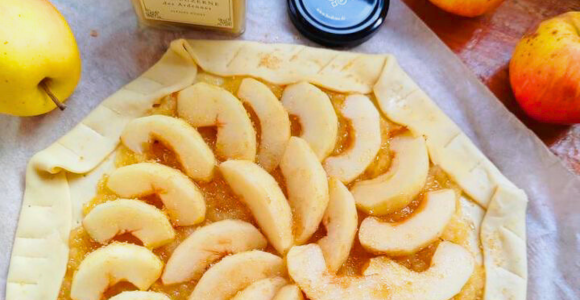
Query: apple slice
{"points": [[365, 130], [144, 221], [203, 104], [208, 244], [264, 289], [274, 121], [307, 187], [182, 199], [235, 273], [411, 235], [261, 193], [111, 264], [451, 267], [140, 295], [406, 177], [316, 115], [307, 268], [341, 221], [193, 153], [289, 292]]}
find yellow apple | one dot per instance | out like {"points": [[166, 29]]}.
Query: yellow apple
{"points": [[545, 70], [467, 8], [38, 57]]}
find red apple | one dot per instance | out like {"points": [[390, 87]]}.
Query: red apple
{"points": [[467, 8], [545, 70]]}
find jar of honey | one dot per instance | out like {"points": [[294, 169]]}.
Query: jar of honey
{"points": [[220, 15]]}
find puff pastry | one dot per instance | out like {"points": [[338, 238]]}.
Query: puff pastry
{"points": [[61, 180]]}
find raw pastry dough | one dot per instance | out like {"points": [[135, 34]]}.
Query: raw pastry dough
{"points": [[57, 178]]}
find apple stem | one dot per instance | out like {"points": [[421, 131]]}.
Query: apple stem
{"points": [[52, 97]]}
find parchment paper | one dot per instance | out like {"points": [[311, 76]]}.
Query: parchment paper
{"points": [[121, 51]]}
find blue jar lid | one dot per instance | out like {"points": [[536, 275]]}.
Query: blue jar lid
{"points": [[338, 23]]}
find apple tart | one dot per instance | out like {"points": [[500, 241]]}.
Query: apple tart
{"points": [[241, 170]]}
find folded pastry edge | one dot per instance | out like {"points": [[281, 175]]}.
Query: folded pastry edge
{"points": [[40, 252], [503, 232], [399, 98]]}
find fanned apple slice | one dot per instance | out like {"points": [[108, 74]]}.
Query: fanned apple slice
{"points": [[365, 130], [409, 236], [316, 115], [307, 187], [111, 264], [261, 193], [341, 221], [182, 199], [451, 267], [193, 153], [208, 244], [274, 121], [235, 273], [264, 289], [140, 295], [289, 292], [307, 268], [203, 104], [404, 180], [144, 221]]}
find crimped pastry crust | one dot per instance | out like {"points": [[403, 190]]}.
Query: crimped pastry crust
{"points": [[61, 178]]}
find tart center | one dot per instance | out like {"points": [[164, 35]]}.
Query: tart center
{"points": [[222, 203]]}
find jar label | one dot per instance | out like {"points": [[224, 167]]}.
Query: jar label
{"points": [[215, 13]]}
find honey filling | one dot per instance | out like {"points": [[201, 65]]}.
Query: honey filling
{"points": [[222, 204]]}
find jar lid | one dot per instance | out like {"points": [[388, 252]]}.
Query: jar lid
{"points": [[338, 23]]}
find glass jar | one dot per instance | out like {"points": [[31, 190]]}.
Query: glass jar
{"points": [[338, 23], [220, 15]]}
